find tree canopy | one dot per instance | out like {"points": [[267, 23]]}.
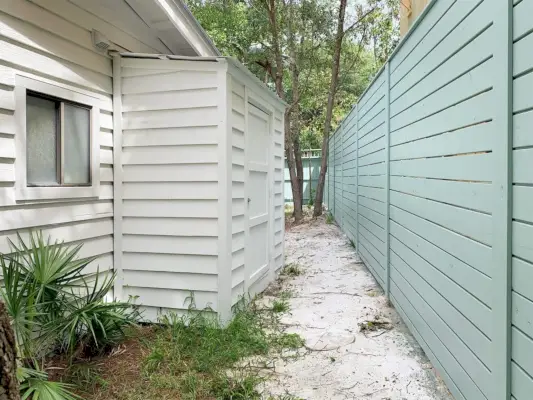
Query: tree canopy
{"points": [[241, 29]]}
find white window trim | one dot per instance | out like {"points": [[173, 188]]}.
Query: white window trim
{"points": [[25, 192]]}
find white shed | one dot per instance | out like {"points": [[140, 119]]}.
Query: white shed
{"points": [[201, 184], [168, 168]]}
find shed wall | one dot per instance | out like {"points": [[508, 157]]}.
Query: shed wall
{"points": [[444, 218], [50, 41], [238, 193], [171, 128], [244, 88]]}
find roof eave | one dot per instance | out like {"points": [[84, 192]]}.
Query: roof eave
{"points": [[182, 18]]}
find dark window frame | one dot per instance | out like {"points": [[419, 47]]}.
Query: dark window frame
{"points": [[60, 140]]}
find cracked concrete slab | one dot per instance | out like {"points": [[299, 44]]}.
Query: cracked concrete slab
{"points": [[333, 296]]}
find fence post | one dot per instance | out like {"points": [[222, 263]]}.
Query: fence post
{"points": [[342, 174], [502, 202], [333, 166], [357, 177], [387, 180], [311, 181]]}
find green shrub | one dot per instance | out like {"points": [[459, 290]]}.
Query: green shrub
{"points": [[329, 218], [55, 306]]}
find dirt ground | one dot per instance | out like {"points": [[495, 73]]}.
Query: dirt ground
{"points": [[357, 346]]}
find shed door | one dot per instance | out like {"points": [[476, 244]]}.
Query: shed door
{"points": [[257, 155]]}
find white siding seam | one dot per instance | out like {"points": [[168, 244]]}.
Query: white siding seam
{"points": [[246, 196], [118, 176], [224, 197]]}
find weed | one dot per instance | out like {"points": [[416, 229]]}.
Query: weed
{"points": [[311, 198], [285, 397], [280, 306], [376, 324], [197, 357], [292, 270], [290, 341], [352, 243], [329, 219], [86, 376]]}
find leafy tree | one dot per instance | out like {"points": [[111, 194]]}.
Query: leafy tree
{"points": [[290, 45]]}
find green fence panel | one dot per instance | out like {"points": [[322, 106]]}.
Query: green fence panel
{"points": [[311, 169], [431, 176]]}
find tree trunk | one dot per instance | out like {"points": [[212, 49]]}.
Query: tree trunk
{"points": [[298, 163], [289, 153], [295, 115], [329, 111], [9, 389]]}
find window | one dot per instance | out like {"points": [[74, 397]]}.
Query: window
{"points": [[57, 146], [58, 142]]}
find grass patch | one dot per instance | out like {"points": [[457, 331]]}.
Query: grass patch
{"points": [[194, 357], [292, 270], [329, 218], [280, 306]]}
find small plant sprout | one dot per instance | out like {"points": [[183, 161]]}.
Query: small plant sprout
{"points": [[329, 219], [292, 270], [280, 306]]}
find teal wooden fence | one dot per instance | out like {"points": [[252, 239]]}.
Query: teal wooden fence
{"points": [[311, 160], [431, 176]]}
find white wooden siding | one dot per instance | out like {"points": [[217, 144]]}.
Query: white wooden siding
{"points": [[45, 41], [279, 211], [244, 90], [170, 188], [238, 195]]}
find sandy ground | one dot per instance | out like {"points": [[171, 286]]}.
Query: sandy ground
{"points": [[330, 299]]}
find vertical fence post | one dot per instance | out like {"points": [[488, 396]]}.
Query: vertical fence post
{"points": [[342, 174], [387, 180], [334, 172], [502, 198], [357, 177], [328, 170], [310, 179]]}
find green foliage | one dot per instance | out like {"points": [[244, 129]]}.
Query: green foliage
{"points": [[241, 28], [330, 219], [36, 386], [280, 306], [197, 356], [290, 341], [312, 198], [292, 269], [55, 307]]}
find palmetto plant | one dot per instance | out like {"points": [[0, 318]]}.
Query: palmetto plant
{"points": [[55, 306]]}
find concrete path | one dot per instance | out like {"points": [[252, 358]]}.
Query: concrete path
{"points": [[330, 300]]}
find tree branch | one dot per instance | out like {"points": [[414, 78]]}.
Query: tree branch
{"points": [[360, 20]]}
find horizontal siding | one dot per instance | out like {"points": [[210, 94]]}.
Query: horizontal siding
{"points": [[170, 189], [441, 174], [522, 228], [441, 169], [238, 195], [370, 160], [279, 209], [50, 41]]}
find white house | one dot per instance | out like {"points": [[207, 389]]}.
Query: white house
{"points": [[122, 127]]}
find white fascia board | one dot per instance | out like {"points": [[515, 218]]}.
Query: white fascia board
{"points": [[188, 26]]}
